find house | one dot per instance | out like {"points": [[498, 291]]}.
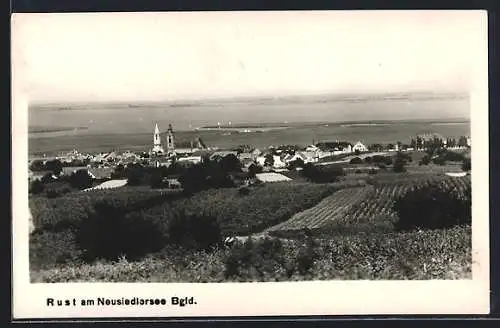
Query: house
{"points": [[296, 156], [245, 156], [359, 147], [312, 148], [310, 156], [256, 152], [172, 182], [261, 160], [189, 159], [278, 163], [337, 147], [100, 173]]}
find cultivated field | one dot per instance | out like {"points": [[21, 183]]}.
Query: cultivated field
{"points": [[364, 207]]}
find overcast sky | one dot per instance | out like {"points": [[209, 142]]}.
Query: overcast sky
{"points": [[164, 56]]}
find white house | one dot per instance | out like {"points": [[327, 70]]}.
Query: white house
{"points": [[261, 160], [278, 163], [359, 147], [190, 159], [312, 148], [290, 158]]}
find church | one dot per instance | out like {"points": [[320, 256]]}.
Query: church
{"points": [[157, 146]]}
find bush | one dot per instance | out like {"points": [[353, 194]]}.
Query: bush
{"points": [[194, 231], [255, 259], [372, 171], [425, 160], [80, 179], [243, 191], [399, 166], [156, 180], [431, 207], [356, 160], [439, 161], [110, 232], [36, 187], [48, 248], [466, 164], [382, 166]]}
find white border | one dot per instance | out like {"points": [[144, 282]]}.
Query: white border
{"points": [[242, 299]]}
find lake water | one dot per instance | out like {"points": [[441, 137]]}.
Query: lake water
{"points": [[131, 128]]}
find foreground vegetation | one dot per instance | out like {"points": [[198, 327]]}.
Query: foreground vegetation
{"points": [[160, 236], [433, 254]]}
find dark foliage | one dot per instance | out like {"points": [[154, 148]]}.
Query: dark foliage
{"points": [[80, 179], [466, 164], [36, 187], [323, 174], [430, 207], [356, 160], [264, 257], [110, 232], [194, 231]]}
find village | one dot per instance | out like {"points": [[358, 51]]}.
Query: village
{"points": [[269, 163]]}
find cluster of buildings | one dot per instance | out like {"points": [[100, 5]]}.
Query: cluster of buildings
{"points": [[101, 165]]}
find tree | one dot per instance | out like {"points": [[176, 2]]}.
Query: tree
{"points": [[37, 187], [135, 174], [425, 160], [47, 178], [466, 164], [296, 163], [230, 163], [80, 179], [156, 180], [430, 207], [55, 166], [269, 161], [254, 169], [37, 166], [119, 172], [399, 163], [356, 160], [413, 143]]}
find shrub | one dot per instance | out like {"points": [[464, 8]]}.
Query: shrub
{"points": [[37, 187], [255, 259], [48, 248], [194, 231], [399, 166], [425, 160], [356, 160], [243, 191], [156, 180], [80, 179], [372, 171], [439, 160], [466, 164], [431, 207], [109, 232]]}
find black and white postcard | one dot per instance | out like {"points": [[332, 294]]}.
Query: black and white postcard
{"points": [[250, 163]]}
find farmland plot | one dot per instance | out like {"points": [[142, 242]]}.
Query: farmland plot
{"points": [[329, 209], [363, 208]]}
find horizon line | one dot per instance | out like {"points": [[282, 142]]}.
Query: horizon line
{"points": [[340, 95]]}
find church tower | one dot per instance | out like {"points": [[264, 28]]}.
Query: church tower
{"points": [[170, 140], [157, 148]]}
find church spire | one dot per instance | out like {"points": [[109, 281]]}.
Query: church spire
{"points": [[157, 140]]}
